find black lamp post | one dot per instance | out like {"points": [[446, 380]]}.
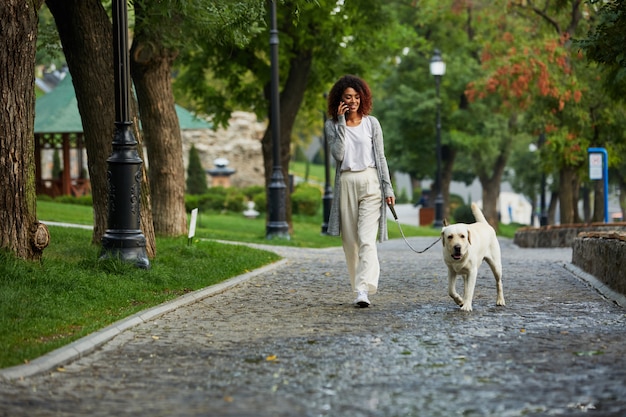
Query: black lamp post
{"points": [[277, 226], [123, 238], [543, 215], [438, 69], [328, 190]]}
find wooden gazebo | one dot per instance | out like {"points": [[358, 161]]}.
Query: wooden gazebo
{"points": [[58, 126]]}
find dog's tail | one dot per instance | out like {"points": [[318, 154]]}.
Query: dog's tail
{"points": [[478, 214]]}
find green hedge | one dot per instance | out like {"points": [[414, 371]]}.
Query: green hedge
{"points": [[306, 199]]}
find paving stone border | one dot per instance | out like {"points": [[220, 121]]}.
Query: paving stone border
{"points": [[603, 255], [598, 249], [560, 236]]}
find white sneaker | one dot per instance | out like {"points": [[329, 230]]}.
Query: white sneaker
{"points": [[361, 299]]}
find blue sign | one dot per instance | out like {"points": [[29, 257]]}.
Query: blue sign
{"points": [[599, 170]]}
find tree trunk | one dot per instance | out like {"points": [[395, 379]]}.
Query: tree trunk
{"points": [[598, 201], [20, 232], [491, 189], [567, 179], [622, 197], [151, 69], [290, 100], [449, 155], [87, 37], [491, 193], [554, 198]]}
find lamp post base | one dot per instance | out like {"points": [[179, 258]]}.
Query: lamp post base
{"points": [[327, 201], [277, 226], [127, 246], [438, 223]]}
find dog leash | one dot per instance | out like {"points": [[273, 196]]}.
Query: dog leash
{"points": [[395, 216]]}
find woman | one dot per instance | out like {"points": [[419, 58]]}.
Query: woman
{"points": [[362, 182]]}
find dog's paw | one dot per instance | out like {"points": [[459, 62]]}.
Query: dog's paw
{"points": [[466, 307], [457, 299], [500, 302]]}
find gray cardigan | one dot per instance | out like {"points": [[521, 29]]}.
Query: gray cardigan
{"points": [[335, 134]]}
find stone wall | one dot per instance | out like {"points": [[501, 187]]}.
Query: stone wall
{"points": [[599, 249], [603, 255], [240, 144], [560, 235]]}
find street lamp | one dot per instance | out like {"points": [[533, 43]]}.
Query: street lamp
{"points": [[438, 69], [123, 238], [277, 226], [328, 191], [543, 215]]}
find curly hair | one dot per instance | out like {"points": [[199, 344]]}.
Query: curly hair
{"points": [[336, 92]]}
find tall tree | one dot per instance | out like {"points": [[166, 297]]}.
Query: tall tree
{"points": [[21, 233], [87, 37], [318, 42], [151, 71], [196, 176], [604, 44], [532, 74], [162, 30], [409, 101]]}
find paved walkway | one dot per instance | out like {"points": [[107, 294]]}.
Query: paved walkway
{"points": [[288, 342]]}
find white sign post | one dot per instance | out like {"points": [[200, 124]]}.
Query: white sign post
{"points": [[192, 225], [599, 170]]}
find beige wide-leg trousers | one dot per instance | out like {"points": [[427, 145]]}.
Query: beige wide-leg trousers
{"points": [[361, 200]]}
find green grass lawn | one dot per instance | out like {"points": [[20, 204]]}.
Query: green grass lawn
{"points": [[70, 293]]}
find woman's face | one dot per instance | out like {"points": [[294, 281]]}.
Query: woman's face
{"points": [[352, 99]]}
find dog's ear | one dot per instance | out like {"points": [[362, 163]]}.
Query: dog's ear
{"points": [[445, 222], [469, 237]]}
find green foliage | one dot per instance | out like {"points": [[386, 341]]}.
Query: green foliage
{"points": [[85, 200], [260, 202], [49, 50], [455, 201], [320, 39], [196, 177], [402, 197], [463, 214], [306, 199], [258, 195], [217, 199], [300, 156], [604, 44]]}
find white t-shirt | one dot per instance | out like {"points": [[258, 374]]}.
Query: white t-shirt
{"points": [[359, 152]]}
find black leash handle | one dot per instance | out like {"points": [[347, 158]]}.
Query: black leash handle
{"points": [[395, 216]]}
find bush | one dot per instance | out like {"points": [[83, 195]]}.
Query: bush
{"points": [[196, 177], [306, 199], [260, 202], [84, 200], [217, 199], [402, 197], [257, 194], [463, 214], [455, 202]]}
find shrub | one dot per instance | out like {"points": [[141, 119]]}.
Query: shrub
{"points": [[260, 202], [196, 177], [257, 194], [463, 214], [455, 202], [217, 199], [402, 197], [306, 199], [84, 200]]}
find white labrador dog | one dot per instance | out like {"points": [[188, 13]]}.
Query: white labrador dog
{"points": [[465, 246]]}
